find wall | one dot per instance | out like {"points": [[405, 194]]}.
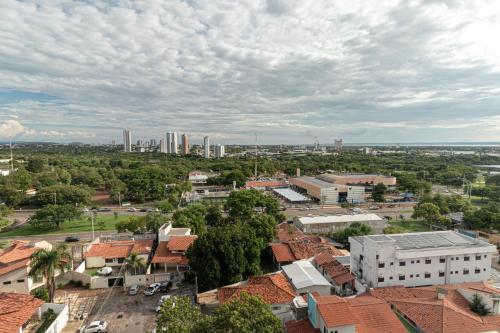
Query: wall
{"points": [[63, 316], [15, 286], [322, 290], [95, 262]]}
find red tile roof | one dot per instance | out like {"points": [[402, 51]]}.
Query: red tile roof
{"points": [[286, 232], [16, 256], [273, 289], [180, 243], [164, 256], [335, 270], [120, 249], [433, 315], [367, 313], [265, 183], [300, 326], [15, 310], [303, 248]]}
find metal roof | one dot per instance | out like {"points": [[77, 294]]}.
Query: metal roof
{"points": [[339, 218], [316, 182], [291, 195], [302, 274]]}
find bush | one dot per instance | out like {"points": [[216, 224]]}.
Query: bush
{"points": [[41, 293]]}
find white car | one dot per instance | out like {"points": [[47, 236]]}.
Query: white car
{"points": [[160, 302], [104, 271], [152, 289], [96, 326], [134, 289]]}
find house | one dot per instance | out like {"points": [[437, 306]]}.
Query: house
{"points": [[274, 289], [170, 255], [305, 278], [363, 314], [23, 313], [336, 273], [197, 177], [114, 253], [445, 308], [287, 232], [331, 223], [298, 248], [419, 259], [14, 266]]}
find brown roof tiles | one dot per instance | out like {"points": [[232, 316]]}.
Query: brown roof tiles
{"points": [[120, 249], [15, 310]]}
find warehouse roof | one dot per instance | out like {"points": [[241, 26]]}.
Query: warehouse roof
{"points": [[316, 182], [291, 195], [339, 218], [302, 274]]}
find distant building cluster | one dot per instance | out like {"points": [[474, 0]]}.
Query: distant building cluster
{"points": [[170, 145]]}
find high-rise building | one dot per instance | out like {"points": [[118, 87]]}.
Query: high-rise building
{"points": [[175, 145], [169, 143], [163, 148], [219, 151], [127, 141], [140, 143], [152, 142], [338, 145], [185, 144], [206, 144]]}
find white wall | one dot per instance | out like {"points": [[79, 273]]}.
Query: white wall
{"points": [[15, 286], [95, 262], [322, 290], [63, 316]]}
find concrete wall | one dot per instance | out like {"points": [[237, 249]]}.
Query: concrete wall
{"points": [[16, 282], [95, 262], [322, 290], [63, 316]]}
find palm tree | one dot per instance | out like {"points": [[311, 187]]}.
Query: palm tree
{"points": [[47, 263], [135, 262]]}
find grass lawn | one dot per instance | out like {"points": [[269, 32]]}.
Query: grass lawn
{"points": [[91, 271], [101, 223], [410, 225]]}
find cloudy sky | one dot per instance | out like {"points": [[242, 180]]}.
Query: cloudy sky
{"points": [[290, 70]]}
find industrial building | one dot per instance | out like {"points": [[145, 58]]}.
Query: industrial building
{"points": [[328, 193], [355, 178], [332, 223], [420, 259]]}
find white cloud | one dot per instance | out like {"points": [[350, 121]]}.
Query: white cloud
{"points": [[11, 128], [284, 68]]}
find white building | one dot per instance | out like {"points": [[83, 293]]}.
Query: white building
{"points": [[163, 147], [175, 145], [127, 141], [206, 146], [305, 278], [419, 259], [219, 151], [332, 223]]}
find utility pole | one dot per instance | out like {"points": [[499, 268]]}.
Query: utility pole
{"points": [[92, 220], [11, 158]]}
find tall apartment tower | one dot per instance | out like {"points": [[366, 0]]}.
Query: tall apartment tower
{"points": [[185, 144], [175, 144], [169, 143], [163, 147], [127, 141], [206, 144], [219, 151], [338, 145]]}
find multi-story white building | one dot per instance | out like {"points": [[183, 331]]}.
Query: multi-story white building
{"points": [[419, 259], [206, 144], [219, 151], [163, 147], [174, 143], [127, 141], [321, 224]]}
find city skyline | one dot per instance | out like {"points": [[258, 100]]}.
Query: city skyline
{"points": [[293, 71]]}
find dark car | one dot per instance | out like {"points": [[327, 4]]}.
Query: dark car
{"points": [[143, 210], [165, 287], [72, 239]]}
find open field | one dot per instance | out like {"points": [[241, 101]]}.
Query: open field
{"points": [[410, 225], [102, 223]]}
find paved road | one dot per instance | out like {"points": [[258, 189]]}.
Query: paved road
{"points": [[59, 238]]}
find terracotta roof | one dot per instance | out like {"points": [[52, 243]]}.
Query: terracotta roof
{"points": [[16, 256], [273, 289], [448, 315], [300, 326], [120, 249], [335, 270], [303, 248], [367, 313], [286, 232], [180, 243], [15, 310], [164, 256], [265, 183]]}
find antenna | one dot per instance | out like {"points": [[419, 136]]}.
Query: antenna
{"points": [[256, 155], [11, 158]]}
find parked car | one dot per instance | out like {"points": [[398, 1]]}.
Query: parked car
{"points": [[134, 289], [152, 289], [131, 210], [104, 271], [374, 207], [160, 302], [153, 210], [143, 210], [96, 326], [105, 209], [85, 210], [165, 287], [71, 239]]}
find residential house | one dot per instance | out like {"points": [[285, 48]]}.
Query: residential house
{"points": [[14, 266], [333, 314], [305, 278], [445, 308], [341, 278], [274, 289], [114, 253]]}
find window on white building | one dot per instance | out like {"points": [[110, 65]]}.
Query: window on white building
{"points": [[477, 270], [441, 273], [478, 257], [381, 265], [427, 275], [380, 279], [428, 261], [466, 258], [401, 277], [402, 263], [466, 271], [442, 260]]}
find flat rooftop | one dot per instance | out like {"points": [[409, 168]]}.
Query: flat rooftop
{"points": [[316, 182], [339, 218], [303, 274], [291, 195], [426, 240]]}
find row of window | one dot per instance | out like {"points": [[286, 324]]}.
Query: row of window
{"points": [[429, 261], [10, 282], [402, 277]]}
